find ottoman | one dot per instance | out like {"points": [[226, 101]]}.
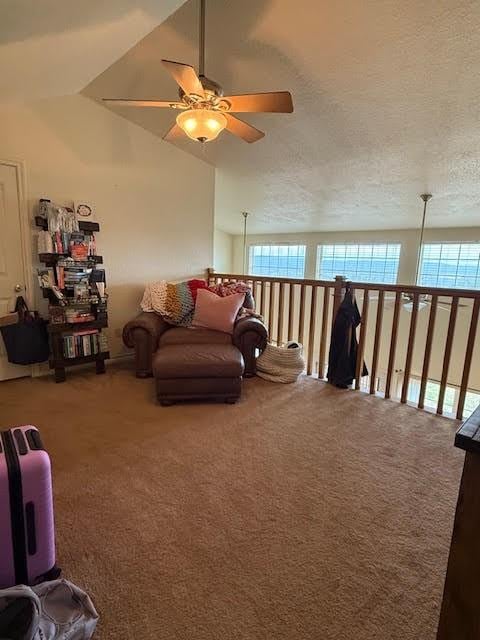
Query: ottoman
{"points": [[198, 372]]}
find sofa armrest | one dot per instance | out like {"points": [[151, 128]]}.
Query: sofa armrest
{"points": [[250, 335], [143, 333]]}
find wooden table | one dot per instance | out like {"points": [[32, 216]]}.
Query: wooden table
{"points": [[460, 613]]}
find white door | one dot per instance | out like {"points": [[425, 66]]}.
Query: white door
{"points": [[12, 278]]}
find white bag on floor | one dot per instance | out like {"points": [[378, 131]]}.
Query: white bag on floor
{"points": [[56, 610], [281, 364]]}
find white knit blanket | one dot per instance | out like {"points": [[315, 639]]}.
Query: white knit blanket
{"points": [[175, 302], [154, 297]]}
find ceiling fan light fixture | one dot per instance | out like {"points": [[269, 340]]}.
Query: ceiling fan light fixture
{"points": [[408, 306], [202, 125]]}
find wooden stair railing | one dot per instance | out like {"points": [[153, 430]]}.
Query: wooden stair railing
{"points": [[304, 310]]}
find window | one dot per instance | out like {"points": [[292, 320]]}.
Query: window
{"points": [[281, 260], [359, 262], [450, 403], [450, 265], [472, 401], [432, 392]]}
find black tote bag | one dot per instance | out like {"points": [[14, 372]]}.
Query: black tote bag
{"points": [[26, 341]]}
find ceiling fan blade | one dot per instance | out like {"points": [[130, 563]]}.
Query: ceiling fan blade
{"points": [[174, 133], [445, 304], [274, 102], [123, 102], [242, 130], [372, 298], [185, 76], [376, 297]]}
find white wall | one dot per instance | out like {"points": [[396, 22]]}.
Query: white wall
{"points": [[54, 48], [154, 202], [222, 251]]}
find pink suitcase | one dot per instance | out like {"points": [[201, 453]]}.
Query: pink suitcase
{"points": [[27, 539]]}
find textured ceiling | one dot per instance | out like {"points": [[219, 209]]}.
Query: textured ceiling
{"points": [[54, 47], [386, 96]]}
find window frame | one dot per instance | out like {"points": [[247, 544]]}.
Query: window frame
{"points": [[319, 251], [277, 244], [442, 244]]}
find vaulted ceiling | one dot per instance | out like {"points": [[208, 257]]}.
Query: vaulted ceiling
{"points": [[55, 47], [386, 96]]}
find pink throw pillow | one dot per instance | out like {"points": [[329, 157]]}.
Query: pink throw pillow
{"points": [[214, 312]]}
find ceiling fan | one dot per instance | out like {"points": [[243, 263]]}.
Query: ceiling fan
{"points": [[424, 299], [205, 111]]}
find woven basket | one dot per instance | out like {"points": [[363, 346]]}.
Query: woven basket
{"points": [[279, 364]]}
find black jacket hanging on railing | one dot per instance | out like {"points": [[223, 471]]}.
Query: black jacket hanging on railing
{"points": [[343, 346]]}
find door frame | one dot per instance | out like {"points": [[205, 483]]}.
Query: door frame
{"points": [[25, 234]]}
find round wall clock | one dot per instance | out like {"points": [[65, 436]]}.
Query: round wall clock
{"points": [[84, 211]]}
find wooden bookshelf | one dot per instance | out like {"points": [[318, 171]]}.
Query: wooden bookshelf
{"points": [[76, 326], [86, 227], [51, 259], [59, 364], [58, 331]]}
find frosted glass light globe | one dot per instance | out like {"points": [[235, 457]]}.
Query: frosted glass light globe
{"points": [[202, 125]]}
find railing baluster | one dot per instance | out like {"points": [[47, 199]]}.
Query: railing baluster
{"points": [[472, 332], [263, 293], [393, 343], [311, 330], [291, 309], [323, 337], [301, 317], [410, 346], [338, 290], [271, 308], [377, 341], [281, 312], [361, 342], [448, 353], [428, 351], [259, 295]]}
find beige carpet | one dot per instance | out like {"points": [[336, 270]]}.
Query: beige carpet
{"points": [[303, 512]]}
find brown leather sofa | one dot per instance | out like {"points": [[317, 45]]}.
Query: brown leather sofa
{"points": [[194, 363]]}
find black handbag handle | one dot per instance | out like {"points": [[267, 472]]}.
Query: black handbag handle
{"points": [[22, 309], [20, 302]]}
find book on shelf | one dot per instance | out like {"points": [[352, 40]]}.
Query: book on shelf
{"points": [[63, 237], [60, 277], [79, 314], [46, 278], [84, 343], [78, 247], [56, 314]]}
